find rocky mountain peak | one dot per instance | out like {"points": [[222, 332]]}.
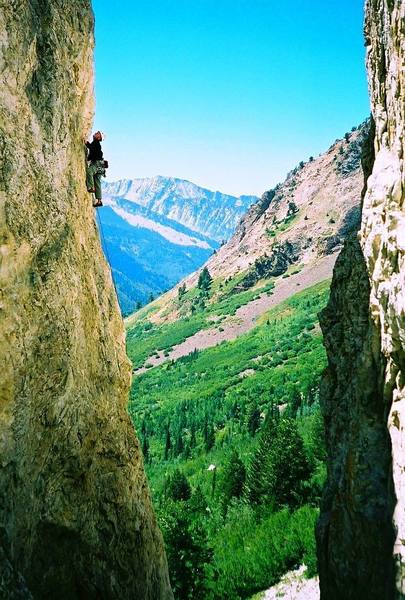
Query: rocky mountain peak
{"points": [[299, 225], [212, 214]]}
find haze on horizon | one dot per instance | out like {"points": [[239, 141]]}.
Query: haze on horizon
{"points": [[228, 94]]}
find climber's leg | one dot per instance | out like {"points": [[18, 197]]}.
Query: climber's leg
{"points": [[97, 185], [90, 177]]}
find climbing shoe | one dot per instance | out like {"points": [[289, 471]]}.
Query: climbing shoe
{"points": [[97, 203]]}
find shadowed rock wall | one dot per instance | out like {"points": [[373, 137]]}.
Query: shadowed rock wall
{"points": [[76, 519], [361, 530]]}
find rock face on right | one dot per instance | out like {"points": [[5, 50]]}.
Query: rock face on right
{"points": [[361, 530]]}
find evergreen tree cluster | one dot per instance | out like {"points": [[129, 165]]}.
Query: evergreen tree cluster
{"points": [[181, 516], [192, 429], [279, 467], [274, 479]]}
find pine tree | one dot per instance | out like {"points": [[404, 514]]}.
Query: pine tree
{"points": [[273, 413], [193, 441], [186, 452], [233, 480], [143, 428], [294, 404], [181, 291], [145, 449], [198, 503], [179, 445], [187, 551], [253, 420], [168, 443], [317, 437], [259, 477], [290, 465], [204, 280], [214, 482], [177, 486], [209, 437]]}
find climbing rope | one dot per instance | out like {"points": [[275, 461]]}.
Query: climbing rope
{"points": [[105, 248]]}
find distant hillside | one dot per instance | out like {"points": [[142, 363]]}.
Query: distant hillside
{"points": [[156, 231], [148, 255], [302, 219], [300, 225]]}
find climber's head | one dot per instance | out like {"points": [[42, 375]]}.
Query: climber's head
{"points": [[98, 136]]}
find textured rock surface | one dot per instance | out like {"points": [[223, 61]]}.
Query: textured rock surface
{"points": [[383, 229], [75, 515], [361, 530], [12, 584], [355, 533]]}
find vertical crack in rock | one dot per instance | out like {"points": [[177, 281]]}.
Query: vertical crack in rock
{"points": [[361, 530], [355, 533], [76, 520]]}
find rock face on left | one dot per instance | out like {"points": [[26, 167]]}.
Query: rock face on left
{"points": [[76, 519]]}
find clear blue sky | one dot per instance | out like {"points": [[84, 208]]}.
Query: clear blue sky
{"points": [[229, 94]]}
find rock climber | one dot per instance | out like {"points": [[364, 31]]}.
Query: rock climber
{"points": [[95, 167]]}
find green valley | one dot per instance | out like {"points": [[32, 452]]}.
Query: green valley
{"points": [[197, 311], [225, 391], [232, 439]]}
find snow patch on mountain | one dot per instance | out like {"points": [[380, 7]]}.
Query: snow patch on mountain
{"points": [[173, 236], [212, 214]]}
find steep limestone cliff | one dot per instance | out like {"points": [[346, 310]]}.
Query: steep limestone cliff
{"points": [[361, 530], [76, 519]]}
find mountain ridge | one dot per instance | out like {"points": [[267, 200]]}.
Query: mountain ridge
{"points": [[142, 261], [185, 202]]}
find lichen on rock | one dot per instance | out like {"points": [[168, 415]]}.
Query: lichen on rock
{"points": [[76, 520]]}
